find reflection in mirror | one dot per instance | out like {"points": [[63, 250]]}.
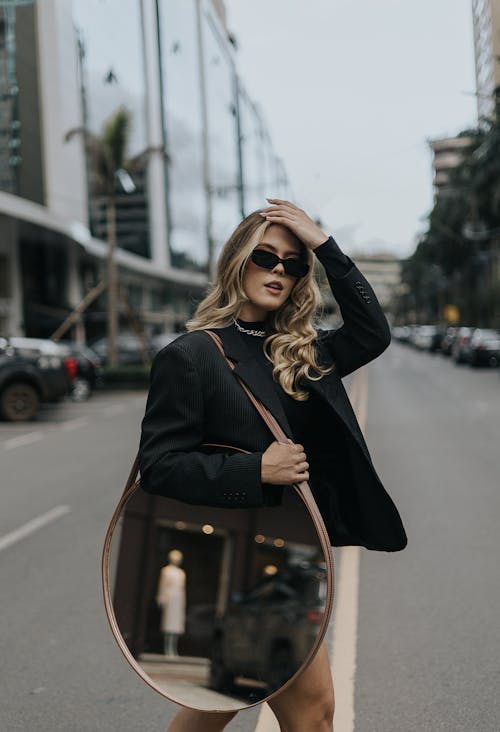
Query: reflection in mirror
{"points": [[219, 607]]}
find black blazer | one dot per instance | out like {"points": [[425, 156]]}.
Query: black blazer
{"points": [[194, 397]]}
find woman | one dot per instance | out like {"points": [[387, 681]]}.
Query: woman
{"points": [[262, 305]]}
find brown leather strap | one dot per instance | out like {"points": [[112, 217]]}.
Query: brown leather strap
{"points": [[303, 487], [133, 474], [265, 413]]}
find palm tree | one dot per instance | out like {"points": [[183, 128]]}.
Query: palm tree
{"points": [[106, 155]]}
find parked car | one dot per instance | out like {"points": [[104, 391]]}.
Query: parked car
{"points": [[129, 349], [48, 352], [424, 337], [266, 634], [437, 339], [413, 330], [31, 372], [483, 348], [89, 370], [401, 333], [448, 339], [460, 344]]}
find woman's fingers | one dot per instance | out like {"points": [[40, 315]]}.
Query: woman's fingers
{"points": [[283, 202], [280, 208], [285, 220], [278, 211]]}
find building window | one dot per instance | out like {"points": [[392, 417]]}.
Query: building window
{"points": [[112, 78], [222, 134], [183, 131]]}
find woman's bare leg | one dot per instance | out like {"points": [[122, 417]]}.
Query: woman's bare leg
{"points": [[309, 703], [192, 720]]}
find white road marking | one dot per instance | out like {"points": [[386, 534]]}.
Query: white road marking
{"points": [[346, 598], [73, 424], [345, 620], [34, 525], [345, 637], [267, 722], [21, 440]]}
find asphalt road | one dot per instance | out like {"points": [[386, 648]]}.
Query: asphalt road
{"points": [[428, 643], [429, 629]]}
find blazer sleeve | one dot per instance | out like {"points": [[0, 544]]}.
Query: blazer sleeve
{"points": [[171, 431], [365, 332]]}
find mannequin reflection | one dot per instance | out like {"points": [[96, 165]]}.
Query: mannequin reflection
{"points": [[171, 597]]}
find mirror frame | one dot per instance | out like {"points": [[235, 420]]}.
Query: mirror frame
{"points": [[304, 492]]}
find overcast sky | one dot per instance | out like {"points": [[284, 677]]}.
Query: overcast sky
{"points": [[351, 91]]}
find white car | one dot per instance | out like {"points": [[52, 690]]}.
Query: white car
{"points": [[424, 335]]}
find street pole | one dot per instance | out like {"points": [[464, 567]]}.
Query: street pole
{"points": [[80, 308], [211, 265], [112, 277]]}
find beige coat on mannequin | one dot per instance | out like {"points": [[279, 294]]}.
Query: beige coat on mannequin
{"points": [[171, 596]]}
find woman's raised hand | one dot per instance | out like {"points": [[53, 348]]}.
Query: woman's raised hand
{"points": [[294, 218], [284, 463]]}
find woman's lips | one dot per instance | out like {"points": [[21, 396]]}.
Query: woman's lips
{"points": [[274, 290]]}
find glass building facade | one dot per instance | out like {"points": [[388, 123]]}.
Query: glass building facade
{"points": [[224, 183], [10, 124], [198, 153], [110, 44], [182, 113], [221, 164], [20, 150], [252, 152]]}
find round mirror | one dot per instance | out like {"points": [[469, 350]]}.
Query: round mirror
{"points": [[217, 608]]}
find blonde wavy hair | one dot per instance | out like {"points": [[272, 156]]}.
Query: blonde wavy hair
{"points": [[290, 346]]}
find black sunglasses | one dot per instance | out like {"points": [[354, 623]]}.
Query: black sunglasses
{"points": [[268, 260]]}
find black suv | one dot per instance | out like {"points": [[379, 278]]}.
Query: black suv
{"points": [[266, 634], [31, 371]]}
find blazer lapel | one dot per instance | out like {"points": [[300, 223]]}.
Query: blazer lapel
{"points": [[251, 372]]}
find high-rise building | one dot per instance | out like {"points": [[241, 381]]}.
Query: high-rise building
{"points": [[197, 157], [447, 153], [486, 26]]}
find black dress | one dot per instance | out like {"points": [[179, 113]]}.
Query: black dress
{"points": [[304, 417]]}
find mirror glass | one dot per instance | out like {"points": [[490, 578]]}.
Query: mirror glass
{"points": [[219, 607]]}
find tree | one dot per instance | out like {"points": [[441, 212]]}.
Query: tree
{"points": [[108, 166], [454, 261]]}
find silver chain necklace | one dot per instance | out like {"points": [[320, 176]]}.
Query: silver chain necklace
{"points": [[259, 333]]}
